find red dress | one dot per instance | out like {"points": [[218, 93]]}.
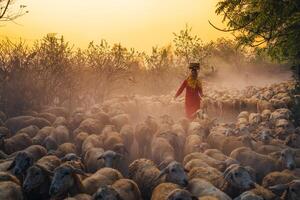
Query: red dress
{"points": [[192, 96]]}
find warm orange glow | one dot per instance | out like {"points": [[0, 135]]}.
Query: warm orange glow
{"points": [[135, 23]]}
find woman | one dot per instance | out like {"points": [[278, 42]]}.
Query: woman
{"points": [[193, 93]]}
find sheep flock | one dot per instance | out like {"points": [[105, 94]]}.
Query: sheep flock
{"points": [[242, 145]]}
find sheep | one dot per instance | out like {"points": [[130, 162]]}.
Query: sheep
{"points": [[15, 143], [205, 158], [293, 141], [120, 120], [41, 135], [200, 188], [121, 189], [91, 159], [37, 180], [58, 136], [24, 159], [10, 191], [29, 130], [143, 134], [263, 164], [6, 176], [114, 160], [210, 174], [79, 139], [195, 163], [92, 141], [91, 126], [290, 191], [110, 140], [162, 152], [64, 149], [192, 144], [66, 181], [16, 123], [60, 121], [127, 134], [170, 191], [275, 178], [147, 176]]}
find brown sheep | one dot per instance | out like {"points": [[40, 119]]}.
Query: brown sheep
{"points": [[169, 191], [91, 159], [195, 163], [205, 158], [10, 191], [121, 189], [263, 164], [79, 139], [41, 135], [91, 126], [16, 123], [26, 158], [192, 144], [92, 141], [110, 140], [6, 176], [275, 178], [162, 152], [127, 134], [120, 120], [60, 121], [64, 149], [147, 175], [58, 136], [143, 134], [15, 143], [29, 130], [293, 141], [37, 181], [66, 181], [290, 191], [200, 188]]}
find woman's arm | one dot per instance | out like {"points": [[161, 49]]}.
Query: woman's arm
{"points": [[180, 90]]}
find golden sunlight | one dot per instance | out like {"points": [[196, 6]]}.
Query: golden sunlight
{"points": [[134, 23]]}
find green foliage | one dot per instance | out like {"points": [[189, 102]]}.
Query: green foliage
{"points": [[272, 25]]}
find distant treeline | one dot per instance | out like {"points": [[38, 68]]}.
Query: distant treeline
{"points": [[53, 72]]}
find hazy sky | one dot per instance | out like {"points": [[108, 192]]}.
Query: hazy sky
{"points": [[135, 23]]}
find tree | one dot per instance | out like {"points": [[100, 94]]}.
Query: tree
{"points": [[9, 12], [271, 25], [190, 48]]}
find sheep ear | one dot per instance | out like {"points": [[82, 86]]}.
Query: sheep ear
{"points": [[12, 165]]}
